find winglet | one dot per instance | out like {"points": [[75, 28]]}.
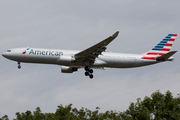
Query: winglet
{"points": [[115, 34]]}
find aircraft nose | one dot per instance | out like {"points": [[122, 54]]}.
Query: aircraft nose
{"points": [[4, 54]]}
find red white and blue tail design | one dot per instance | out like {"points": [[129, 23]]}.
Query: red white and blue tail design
{"points": [[161, 49]]}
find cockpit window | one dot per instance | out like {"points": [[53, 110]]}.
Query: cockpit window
{"points": [[8, 50]]}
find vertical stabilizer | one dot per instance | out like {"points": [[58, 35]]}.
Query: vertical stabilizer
{"points": [[162, 48]]}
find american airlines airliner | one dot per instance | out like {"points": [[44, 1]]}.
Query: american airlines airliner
{"points": [[93, 57]]}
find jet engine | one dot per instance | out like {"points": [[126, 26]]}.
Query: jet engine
{"points": [[65, 69]]}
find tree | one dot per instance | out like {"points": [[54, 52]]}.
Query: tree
{"points": [[5, 117], [157, 107]]}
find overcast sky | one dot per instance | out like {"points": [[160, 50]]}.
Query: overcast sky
{"points": [[77, 25]]}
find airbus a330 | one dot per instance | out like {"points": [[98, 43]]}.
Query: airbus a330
{"points": [[93, 57]]}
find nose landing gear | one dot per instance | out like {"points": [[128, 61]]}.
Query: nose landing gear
{"points": [[88, 72], [19, 66]]}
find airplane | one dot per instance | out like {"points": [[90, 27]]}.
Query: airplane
{"points": [[93, 57]]}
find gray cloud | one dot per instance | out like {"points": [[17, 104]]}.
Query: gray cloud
{"points": [[78, 25]]}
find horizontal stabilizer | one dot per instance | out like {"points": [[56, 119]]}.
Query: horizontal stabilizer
{"points": [[165, 56]]}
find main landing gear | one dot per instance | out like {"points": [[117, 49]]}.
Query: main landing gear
{"points": [[19, 66], [88, 72]]}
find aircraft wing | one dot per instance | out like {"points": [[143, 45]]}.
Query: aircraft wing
{"points": [[94, 51]]}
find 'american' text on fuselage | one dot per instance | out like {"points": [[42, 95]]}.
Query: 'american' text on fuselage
{"points": [[43, 52]]}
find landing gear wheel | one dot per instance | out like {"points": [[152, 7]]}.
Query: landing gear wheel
{"points": [[86, 73], [87, 68], [91, 76], [91, 70], [19, 66]]}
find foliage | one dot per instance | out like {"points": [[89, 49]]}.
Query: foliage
{"points": [[156, 107]]}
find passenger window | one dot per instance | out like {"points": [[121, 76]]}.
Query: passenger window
{"points": [[8, 50]]}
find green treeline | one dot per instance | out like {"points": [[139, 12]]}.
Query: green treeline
{"points": [[157, 107]]}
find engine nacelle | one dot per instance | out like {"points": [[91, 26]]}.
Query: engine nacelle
{"points": [[65, 69]]}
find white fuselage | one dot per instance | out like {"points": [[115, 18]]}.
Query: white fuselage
{"points": [[53, 56]]}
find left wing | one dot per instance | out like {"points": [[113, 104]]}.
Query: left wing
{"points": [[93, 52]]}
